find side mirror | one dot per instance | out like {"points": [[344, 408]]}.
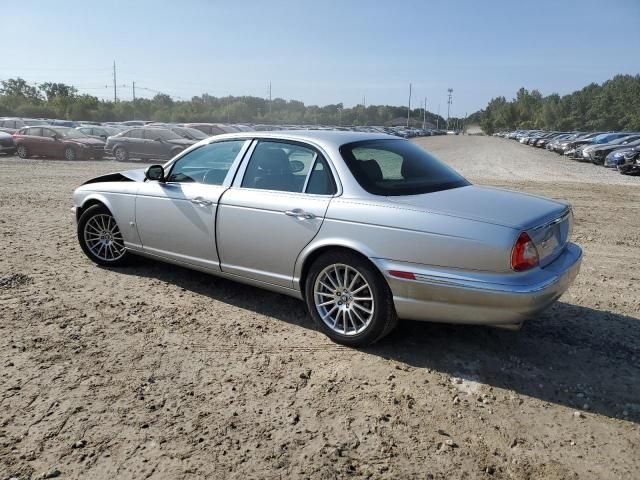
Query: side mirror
{"points": [[296, 166], [157, 139], [154, 173], [56, 137]]}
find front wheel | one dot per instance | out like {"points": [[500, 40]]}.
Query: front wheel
{"points": [[70, 154], [121, 154], [100, 237], [349, 299]]}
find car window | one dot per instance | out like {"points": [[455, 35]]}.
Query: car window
{"points": [[208, 164], [34, 131], [46, 132], [279, 166], [137, 133], [163, 133], [321, 179], [397, 167]]}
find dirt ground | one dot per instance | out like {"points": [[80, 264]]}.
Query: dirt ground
{"points": [[153, 371]]}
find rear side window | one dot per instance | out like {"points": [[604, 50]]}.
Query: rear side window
{"points": [[34, 131], [137, 133], [284, 167], [208, 164], [398, 167]]}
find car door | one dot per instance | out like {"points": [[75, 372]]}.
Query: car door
{"points": [[176, 219], [134, 142], [49, 145], [154, 146], [33, 140], [274, 208]]}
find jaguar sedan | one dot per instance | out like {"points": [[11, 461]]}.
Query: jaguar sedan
{"points": [[364, 228]]}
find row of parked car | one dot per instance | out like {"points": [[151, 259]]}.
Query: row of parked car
{"points": [[136, 138], [619, 150]]}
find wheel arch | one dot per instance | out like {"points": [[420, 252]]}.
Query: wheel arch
{"points": [[313, 251], [90, 201]]}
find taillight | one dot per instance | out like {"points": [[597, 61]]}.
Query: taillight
{"points": [[524, 254]]}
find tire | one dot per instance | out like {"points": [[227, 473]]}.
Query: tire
{"points": [[22, 151], [100, 237], [70, 154], [355, 321], [120, 154]]}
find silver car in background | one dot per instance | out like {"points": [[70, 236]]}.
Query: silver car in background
{"points": [[365, 228]]}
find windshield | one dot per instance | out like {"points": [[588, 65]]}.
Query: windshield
{"points": [[163, 134], [192, 132], [396, 167], [70, 133]]}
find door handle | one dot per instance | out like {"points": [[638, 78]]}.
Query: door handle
{"points": [[299, 213], [201, 201]]}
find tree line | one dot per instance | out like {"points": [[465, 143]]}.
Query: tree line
{"points": [[614, 105], [58, 100]]}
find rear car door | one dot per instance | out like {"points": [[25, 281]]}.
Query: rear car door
{"points": [[32, 140], [176, 219], [273, 210]]}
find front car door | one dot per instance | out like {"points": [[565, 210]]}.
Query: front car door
{"points": [[274, 208], [49, 145], [176, 219], [134, 142]]}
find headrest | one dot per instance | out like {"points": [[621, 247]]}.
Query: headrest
{"points": [[411, 169], [273, 160], [371, 169]]}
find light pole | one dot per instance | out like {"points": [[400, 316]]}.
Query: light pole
{"points": [[409, 106], [450, 90], [424, 114], [340, 116]]}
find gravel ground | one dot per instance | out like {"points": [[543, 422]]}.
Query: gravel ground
{"points": [[153, 371]]}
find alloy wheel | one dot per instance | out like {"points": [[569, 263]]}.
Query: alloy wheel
{"points": [[70, 154], [344, 299], [103, 238]]}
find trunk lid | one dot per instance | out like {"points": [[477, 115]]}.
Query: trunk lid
{"points": [[547, 222], [491, 205]]}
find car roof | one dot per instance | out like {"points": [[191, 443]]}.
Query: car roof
{"points": [[328, 138]]}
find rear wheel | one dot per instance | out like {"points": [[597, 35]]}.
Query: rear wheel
{"points": [[349, 299], [121, 154], [70, 154], [23, 152], [100, 237]]}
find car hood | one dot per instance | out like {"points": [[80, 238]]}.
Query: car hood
{"points": [[86, 141], [489, 205], [182, 141], [136, 175]]}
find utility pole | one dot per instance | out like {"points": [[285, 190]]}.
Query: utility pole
{"points": [[133, 89], [450, 90], [115, 88], [409, 106], [438, 118], [269, 98], [424, 114]]}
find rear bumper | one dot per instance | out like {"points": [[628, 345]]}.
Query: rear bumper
{"points": [[469, 297]]}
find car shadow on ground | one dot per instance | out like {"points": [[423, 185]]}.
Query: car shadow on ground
{"points": [[582, 358]]}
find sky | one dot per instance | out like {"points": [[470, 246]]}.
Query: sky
{"points": [[324, 51]]}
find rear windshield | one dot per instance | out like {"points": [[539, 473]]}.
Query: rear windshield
{"points": [[398, 167]]}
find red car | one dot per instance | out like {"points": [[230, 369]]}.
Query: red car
{"points": [[57, 142]]}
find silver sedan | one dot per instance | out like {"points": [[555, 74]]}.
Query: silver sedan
{"points": [[365, 228]]}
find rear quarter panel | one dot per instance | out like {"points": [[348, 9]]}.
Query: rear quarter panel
{"points": [[379, 230]]}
